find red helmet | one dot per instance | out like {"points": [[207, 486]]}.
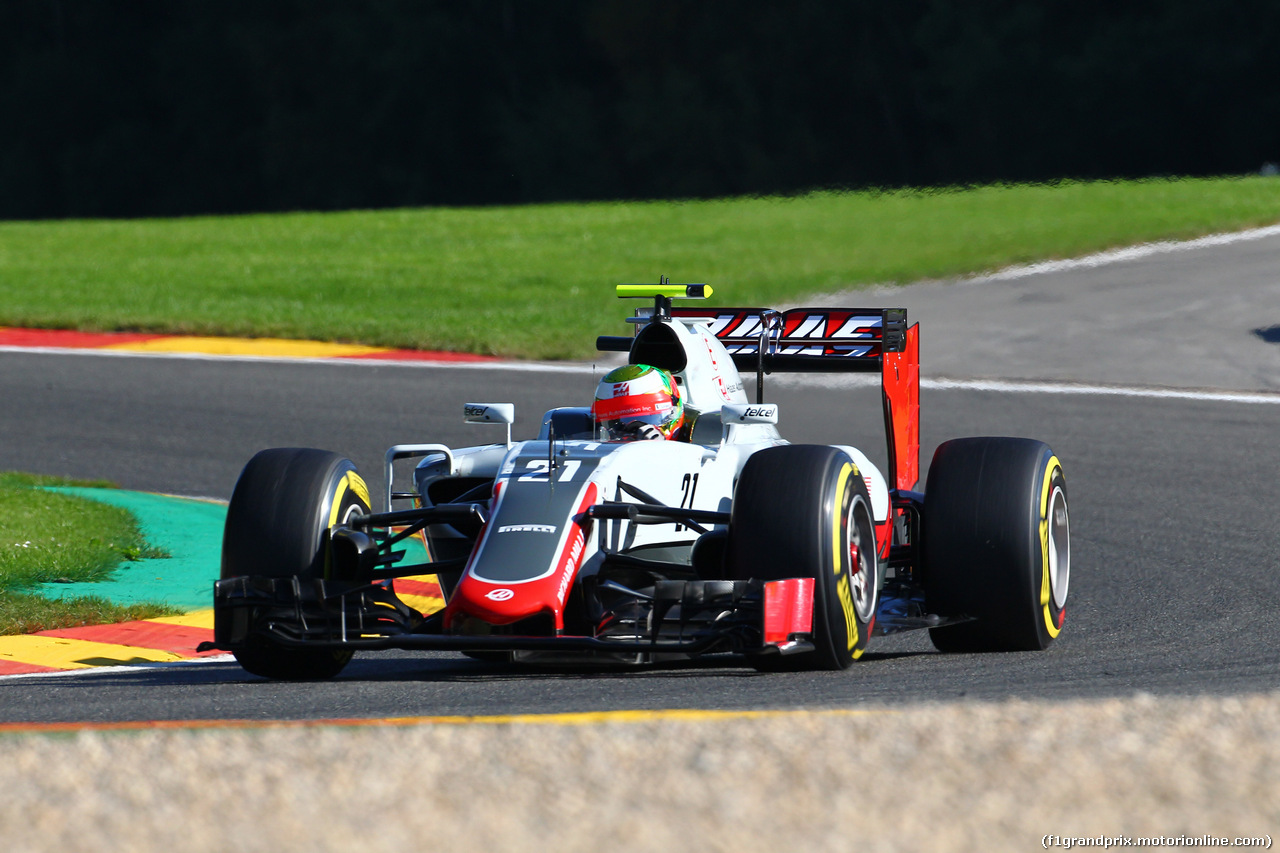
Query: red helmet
{"points": [[638, 401]]}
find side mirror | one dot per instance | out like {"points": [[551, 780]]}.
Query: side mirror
{"points": [[490, 413]]}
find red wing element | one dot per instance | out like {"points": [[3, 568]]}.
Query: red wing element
{"points": [[788, 609], [900, 388]]}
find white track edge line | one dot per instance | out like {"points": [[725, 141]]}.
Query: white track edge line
{"points": [[120, 668], [1128, 253], [996, 385], [1033, 386], [1007, 386]]}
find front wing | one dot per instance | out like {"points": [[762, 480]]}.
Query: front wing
{"points": [[680, 617]]}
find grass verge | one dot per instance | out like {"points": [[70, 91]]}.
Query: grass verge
{"points": [[536, 281], [46, 537]]}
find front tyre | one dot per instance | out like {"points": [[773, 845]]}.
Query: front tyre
{"points": [[803, 511], [997, 544], [278, 526]]}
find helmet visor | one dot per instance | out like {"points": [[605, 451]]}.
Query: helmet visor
{"points": [[625, 428], [658, 420]]}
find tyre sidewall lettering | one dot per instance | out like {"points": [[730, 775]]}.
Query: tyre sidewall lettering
{"points": [[845, 594], [349, 482]]}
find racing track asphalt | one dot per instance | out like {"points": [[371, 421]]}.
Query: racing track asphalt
{"points": [[1174, 502]]}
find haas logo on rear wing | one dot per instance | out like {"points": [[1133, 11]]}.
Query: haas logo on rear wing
{"points": [[806, 339]]}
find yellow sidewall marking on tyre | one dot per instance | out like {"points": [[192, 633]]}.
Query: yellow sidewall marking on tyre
{"points": [[359, 486], [1046, 590], [350, 480], [843, 591], [336, 504]]}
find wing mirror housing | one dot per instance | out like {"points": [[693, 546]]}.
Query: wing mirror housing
{"points": [[491, 413]]}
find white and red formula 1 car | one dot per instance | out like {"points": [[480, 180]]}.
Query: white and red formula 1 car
{"points": [[582, 546]]}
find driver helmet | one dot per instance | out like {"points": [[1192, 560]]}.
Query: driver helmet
{"points": [[638, 401]]}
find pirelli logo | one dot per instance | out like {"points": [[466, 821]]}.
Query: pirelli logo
{"points": [[528, 528]]}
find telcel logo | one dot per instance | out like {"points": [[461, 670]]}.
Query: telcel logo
{"points": [[500, 595], [474, 411]]}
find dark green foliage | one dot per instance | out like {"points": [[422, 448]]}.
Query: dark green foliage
{"points": [[161, 107]]}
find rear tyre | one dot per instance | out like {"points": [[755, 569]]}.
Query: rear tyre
{"points": [[997, 548], [803, 511], [278, 526]]}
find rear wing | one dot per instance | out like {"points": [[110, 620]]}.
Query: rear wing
{"points": [[834, 340], [806, 340]]}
